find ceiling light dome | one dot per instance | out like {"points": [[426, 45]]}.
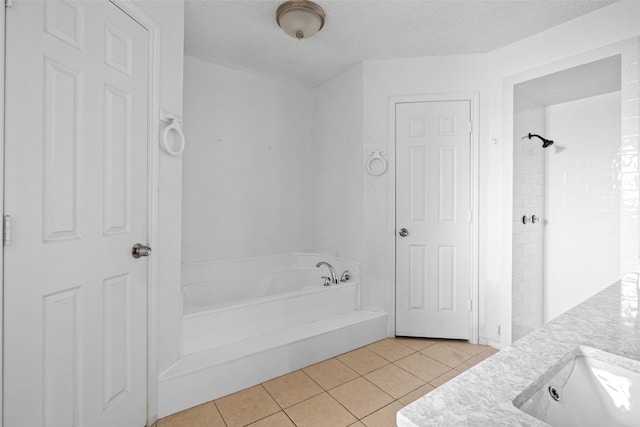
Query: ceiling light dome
{"points": [[300, 18]]}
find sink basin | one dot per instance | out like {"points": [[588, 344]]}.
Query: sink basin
{"points": [[587, 387]]}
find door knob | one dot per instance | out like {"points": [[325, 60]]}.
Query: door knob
{"points": [[403, 232], [139, 250]]}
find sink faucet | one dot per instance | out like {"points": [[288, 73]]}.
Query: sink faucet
{"points": [[332, 271]]}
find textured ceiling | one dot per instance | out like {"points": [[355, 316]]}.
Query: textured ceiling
{"points": [[243, 34]]}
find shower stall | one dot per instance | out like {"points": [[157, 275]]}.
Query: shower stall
{"points": [[575, 190]]}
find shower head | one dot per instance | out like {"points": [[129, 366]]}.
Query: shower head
{"points": [[545, 142]]}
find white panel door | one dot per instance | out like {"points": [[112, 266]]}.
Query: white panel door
{"points": [[76, 189], [433, 205]]}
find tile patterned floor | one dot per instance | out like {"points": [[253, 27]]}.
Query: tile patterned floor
{"points": [[365, 387]]}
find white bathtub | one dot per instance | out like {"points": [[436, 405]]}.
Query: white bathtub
{"points": [[237, 290], [263, 299]]}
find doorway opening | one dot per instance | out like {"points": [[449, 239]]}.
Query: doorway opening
{"points": [[571, 199]]}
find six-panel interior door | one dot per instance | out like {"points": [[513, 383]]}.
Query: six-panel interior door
{"points": [[433, 206], [76, 188]]}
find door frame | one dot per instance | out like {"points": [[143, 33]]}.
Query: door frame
{"points": [[3, 22], [153, 115], [474, 99]]}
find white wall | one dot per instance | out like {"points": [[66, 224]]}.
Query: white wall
{"points": [[583, 216], [383, 79], [247, 167], [528, 200], [336, 156]]}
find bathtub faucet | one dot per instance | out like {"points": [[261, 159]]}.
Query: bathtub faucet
{"points": [[332, 272]]}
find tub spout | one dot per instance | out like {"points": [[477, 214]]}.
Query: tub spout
{"points": [[332, 272]]}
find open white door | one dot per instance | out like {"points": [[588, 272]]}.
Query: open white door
{"points": [[433, 219], [76, 190]]}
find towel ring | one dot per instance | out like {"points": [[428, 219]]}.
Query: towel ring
{"points": [[376, 155], [174, 125]]}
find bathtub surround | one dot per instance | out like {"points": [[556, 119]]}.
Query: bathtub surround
{"points": [[258, 145], [484, 394], [247, 168]]}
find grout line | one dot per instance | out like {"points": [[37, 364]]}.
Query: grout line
{"points": [[271, 396], [287, 415], [215, 405]]}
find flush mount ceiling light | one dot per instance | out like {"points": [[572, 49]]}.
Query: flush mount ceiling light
{"points": [[300, 18]]}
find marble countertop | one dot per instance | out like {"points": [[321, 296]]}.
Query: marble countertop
{"points": [[483, 395]]}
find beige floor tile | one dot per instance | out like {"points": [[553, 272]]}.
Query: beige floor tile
{"points": [[279, 419], [467, 347], [361, 397], [416, 343], [416, 394], [292, 388], [443, 353], [202, 415], [330, 373], [246, 406], [363, 360], [437, 382], [385, 417], [321, 410], [394, 380], [422, 366], [390, 349]]}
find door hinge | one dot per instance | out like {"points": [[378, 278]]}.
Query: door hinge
{"points": [[8, 3], [6, 234], [470, 127], [470, 216], [470, 305]]}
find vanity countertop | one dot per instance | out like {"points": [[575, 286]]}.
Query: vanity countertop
{"points": [[483, 395]]}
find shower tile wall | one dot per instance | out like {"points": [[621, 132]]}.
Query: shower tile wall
{"points": [[528, 242], [582, 201], [629, 181]]}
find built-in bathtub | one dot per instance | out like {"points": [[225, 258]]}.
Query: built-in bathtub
{"points": [[247, 321], [280, 300]]}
